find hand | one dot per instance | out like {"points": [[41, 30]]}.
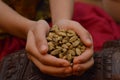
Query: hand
{"points": [[37, 52], [85, 60]]}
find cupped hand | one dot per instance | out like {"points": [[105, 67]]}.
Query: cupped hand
{"points": [[37, 48], [85, 60]]}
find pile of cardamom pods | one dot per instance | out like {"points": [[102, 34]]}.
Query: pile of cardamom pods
{"points": [[64, 44]]}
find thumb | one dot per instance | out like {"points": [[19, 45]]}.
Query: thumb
{"points": [[40, 32], [87, 40], [84, 35]]}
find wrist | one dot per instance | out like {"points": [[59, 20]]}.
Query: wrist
{"points": [[36, 25], [60, 20], [29, 26]]}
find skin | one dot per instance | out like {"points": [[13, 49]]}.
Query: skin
{"points": [[36, 44]]}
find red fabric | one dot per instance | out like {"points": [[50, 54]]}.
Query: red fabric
{"points": [[9, 45], [97, 22]]}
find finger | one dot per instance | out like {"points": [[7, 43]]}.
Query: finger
{"points": [[54, 61], [84, 34], [78, 73], [77, 27], [63, 76], [85, 56], [45, 59], [83, 67], [40, 36], [55, 71]]}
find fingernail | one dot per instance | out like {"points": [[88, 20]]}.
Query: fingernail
{"points": [[43, 49], [66, 64], [68, 70], [89, 42], [79, 69]]}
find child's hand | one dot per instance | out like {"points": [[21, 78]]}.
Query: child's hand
{"points": [[37, 48], [84, 61]]}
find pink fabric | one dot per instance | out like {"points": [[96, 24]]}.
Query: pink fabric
{"points": [[97, 22]]}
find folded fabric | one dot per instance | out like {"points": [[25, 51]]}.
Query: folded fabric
{"points": [[101, 26]]}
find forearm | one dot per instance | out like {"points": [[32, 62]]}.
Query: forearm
{"points": [[12, 22], [61, 9]]}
